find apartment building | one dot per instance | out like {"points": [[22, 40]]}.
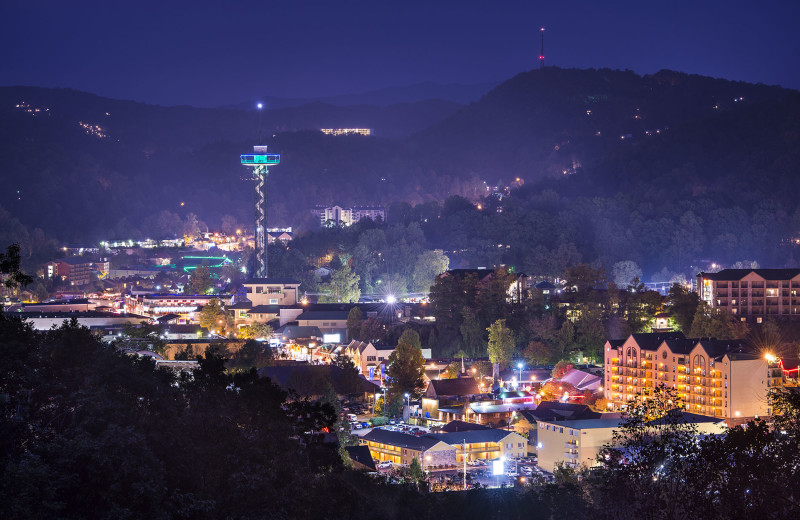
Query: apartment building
{"points": [[752, 293], [75, 271], [727, 379]]}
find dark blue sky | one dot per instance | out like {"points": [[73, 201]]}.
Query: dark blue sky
{"points": [[210, 53]]}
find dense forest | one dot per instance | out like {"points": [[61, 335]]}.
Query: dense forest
{"points": [[89, 432], [670, 171]]}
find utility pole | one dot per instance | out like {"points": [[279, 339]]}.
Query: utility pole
{"points": [[464, 451]]}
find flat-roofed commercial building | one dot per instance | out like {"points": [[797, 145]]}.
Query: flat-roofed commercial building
{"points": [[752, 293], [578, 443], [728, 379], [574, 443]]}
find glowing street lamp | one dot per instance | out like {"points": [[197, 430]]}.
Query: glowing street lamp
{"points": [[391, 299], [519, 366]]}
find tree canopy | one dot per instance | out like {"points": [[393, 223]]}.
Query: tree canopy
{"points": [[406, 366]]}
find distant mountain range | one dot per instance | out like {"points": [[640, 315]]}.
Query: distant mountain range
{"points": [[455, 93], [85, 167]]}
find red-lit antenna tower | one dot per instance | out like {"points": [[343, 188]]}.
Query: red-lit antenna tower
{"points": [[541, 52]]}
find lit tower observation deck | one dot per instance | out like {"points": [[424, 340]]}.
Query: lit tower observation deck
{"points": [[260, 160]]}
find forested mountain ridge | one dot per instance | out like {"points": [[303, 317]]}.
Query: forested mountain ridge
{"points": [[555, 121], [666, 170]]}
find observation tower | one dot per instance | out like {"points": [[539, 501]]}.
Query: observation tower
{"points": [[260, 160]]}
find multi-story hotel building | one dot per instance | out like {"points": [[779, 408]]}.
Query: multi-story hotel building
{"points": [[752, 293], [726, 379]]}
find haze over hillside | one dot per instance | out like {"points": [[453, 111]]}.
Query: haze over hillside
{"points": [[85, 168]]}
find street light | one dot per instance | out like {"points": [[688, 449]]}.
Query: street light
{"points": [[519, 366], [374, 400]]}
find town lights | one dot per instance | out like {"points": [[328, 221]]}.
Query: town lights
{"points": [[391, 299], [771, 358]]}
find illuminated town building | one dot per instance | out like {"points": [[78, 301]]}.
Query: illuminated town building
{"points": [[752, 293], [727, 379], [341, 216], [346, 131]]}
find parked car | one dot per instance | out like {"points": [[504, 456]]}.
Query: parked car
{"points": [[385, 464]]}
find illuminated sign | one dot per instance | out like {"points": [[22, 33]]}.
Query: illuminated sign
{"points": [[270, 158], [331, 338]]}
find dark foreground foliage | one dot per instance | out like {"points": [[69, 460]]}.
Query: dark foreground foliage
{"points": [[87, 432]]}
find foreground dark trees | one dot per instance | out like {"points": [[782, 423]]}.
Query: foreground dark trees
{"points": [[87, 432]]}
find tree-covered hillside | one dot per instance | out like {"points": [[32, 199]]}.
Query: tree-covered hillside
{"points": [[668, 170]]}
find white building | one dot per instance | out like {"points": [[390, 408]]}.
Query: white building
{"points": [[338, 215]]}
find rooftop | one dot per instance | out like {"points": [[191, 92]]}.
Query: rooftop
{"points": [[323, 315], [738, 274], [403, 440], [589, 424], [472, 436], [458, 386], [275, 281]]}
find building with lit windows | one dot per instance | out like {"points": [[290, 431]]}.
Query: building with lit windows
{"points": [[444, 449], [346, 131], [156, 305], [402, 448], [75, 271], [485, 444], [752, 293], [577, 443], [727, 379], [272, 291], [574, 443], [341, 216]]}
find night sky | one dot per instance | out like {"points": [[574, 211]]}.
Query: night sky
{"points": [[210, 53]]}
